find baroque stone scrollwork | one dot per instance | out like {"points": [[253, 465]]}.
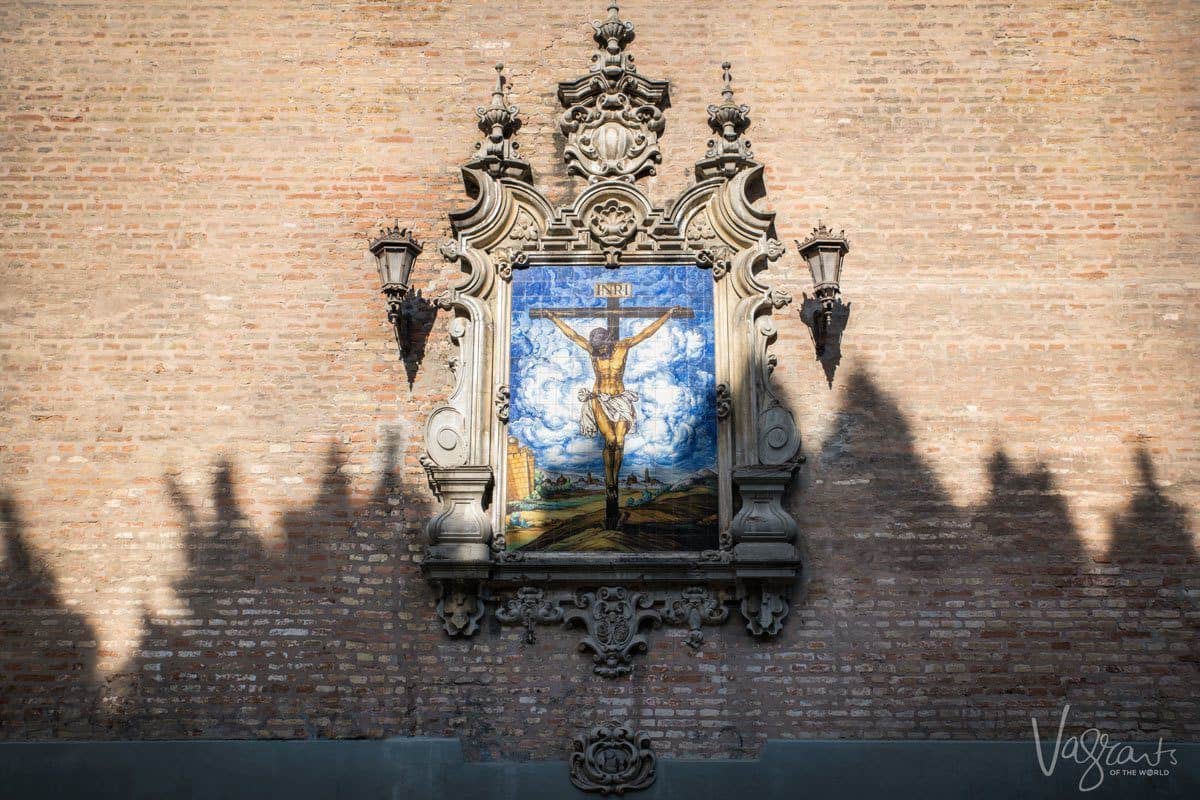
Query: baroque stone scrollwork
{"points": [[696, 606], [764, 610], [502, 402], [499, 545], [510, 253], [529, 607], [716, 259], [779, 298], [525, 230], [460, 610], [724, 400], [710, 251], [612, 758], [612, 119], [508, 259], [773, 249], [613, 617], [613, 115]]}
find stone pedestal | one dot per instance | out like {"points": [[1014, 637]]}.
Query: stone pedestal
{"points": [[762, 529], [461, 531]]}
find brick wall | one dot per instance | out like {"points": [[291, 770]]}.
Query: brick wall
{"points": [[211, 495]]}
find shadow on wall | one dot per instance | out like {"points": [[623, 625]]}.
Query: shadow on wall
{"points": [[971, 620], [1156, 575], [921, 619], [831, 356], [293, 642], [422, 316], [48, 684]]}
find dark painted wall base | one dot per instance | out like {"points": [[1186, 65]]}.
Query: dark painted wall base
{"points": [[408, 769]]}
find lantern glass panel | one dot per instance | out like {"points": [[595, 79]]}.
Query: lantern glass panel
{"points": [[397, 266], [814, 265], [381, 265], [830, 259]]}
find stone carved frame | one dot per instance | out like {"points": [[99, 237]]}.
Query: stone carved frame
{"points": [[714, 225]]}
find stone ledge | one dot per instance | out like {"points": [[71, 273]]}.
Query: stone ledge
{"points": [[413, 768]]}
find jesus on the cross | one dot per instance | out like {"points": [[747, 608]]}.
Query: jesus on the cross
{"points": [[608, 408]]}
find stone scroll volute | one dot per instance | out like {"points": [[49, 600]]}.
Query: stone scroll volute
{"points": [[611, 122]]}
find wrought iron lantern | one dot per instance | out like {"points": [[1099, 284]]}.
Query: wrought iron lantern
{"points": [[395, 253], [824, 251]]}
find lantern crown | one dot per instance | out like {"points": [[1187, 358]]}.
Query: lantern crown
{"points": [[824, 250], [395, 250]]}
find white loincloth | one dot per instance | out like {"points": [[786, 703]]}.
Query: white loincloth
{"points": [[617, 408]]}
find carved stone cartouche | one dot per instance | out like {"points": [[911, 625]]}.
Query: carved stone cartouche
{"points": [[529, 607], [613, 617], [613, 116], [460, 610], [764, 610], [612, 223], [696, 606], [612, 759]]}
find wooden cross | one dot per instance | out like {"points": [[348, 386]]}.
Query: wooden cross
{"points": [[612, 312]]}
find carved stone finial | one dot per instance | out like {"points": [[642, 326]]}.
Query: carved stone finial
{"points": [[613, 34], [498, 93], [727, 76], [499, 122], [729, 153], [613, 115]]}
